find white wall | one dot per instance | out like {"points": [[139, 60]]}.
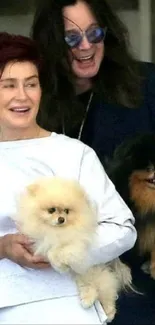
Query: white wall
{"points": [[132, 21], [16, 24], [139, 25]]}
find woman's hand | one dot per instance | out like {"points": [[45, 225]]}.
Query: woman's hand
{"points": [[16, 247]]}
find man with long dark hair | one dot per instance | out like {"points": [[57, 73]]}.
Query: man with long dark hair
{"points": [[95, 90]]}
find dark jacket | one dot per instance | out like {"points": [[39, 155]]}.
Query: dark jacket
{"points": [[107, 125]]}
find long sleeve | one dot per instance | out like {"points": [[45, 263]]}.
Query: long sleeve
{"points": [[116, 232]]}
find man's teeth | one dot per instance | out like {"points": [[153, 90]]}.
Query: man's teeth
{"points": [[86, 58]]}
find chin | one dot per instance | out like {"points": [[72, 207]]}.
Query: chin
{"points": [[86, 73], [58, 215], [132, 170]]}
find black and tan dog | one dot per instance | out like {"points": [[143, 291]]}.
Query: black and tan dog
{"points": [[132, 170]]}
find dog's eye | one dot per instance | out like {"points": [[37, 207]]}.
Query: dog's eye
{"points": [[51, 210], [66, 211]]}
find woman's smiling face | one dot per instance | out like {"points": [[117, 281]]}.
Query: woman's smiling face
{"points": [[20, 95]]}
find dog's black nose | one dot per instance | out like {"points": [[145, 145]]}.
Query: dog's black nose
{"points": [[61, 220]]}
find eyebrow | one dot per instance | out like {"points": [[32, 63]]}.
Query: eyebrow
{"points": [[91, 25], [14, 79], [34, 76]]}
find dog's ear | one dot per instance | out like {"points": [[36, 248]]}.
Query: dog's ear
{"points": [[33, 189]]}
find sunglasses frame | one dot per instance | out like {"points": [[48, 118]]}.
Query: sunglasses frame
{"points": [[83, 34]]}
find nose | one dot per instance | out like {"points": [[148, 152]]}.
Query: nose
{"points": [[21, 93], [61, 220], [85, 45]]}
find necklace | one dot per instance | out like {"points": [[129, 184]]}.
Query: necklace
{"points": [[85, 115], [84, 118]]}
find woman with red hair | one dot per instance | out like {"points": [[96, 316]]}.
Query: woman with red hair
{"points": [[31, 292]]}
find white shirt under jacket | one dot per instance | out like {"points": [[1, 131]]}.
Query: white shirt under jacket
{"points": [[22, 162]]}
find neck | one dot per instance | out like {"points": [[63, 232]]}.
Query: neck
{"points": [[82, 85], [23, 134]]}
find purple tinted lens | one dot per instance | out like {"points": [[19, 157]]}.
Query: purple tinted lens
{"points": [[95, 35], [73, 39]]}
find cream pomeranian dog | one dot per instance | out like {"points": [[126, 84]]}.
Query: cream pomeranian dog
{"points": [[57, 214]]}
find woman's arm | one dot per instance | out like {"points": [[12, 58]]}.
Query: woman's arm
{"points": [[116, 231]]}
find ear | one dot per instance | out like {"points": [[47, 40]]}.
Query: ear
{"points": [[33, 189]]}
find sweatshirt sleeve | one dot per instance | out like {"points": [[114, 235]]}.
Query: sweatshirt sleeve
{"points": [[116, 232]]}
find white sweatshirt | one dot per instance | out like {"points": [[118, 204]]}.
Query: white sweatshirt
{"points": [[22, 162]]}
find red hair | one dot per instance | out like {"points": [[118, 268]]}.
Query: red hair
{"points": [[18, 48]]}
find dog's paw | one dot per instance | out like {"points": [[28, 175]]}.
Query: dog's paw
{"points": [[110, 313], [60, 268], [87, 303], [57, 264], [88, 296]]}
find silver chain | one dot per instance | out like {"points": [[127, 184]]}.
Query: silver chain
{"points": [[84, 118]]}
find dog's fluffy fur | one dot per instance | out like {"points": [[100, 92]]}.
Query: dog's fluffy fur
{"points": [[58, 215], [132, 170]]}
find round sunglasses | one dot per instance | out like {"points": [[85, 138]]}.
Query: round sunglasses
{"points": [[94, 35]]}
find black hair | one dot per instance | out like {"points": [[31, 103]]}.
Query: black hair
{"points": [[118, 80]]}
